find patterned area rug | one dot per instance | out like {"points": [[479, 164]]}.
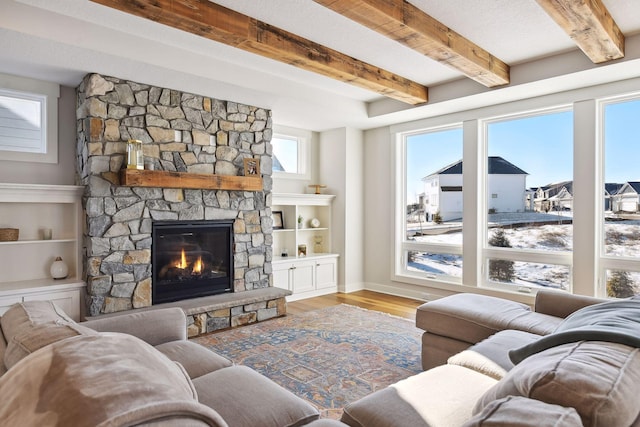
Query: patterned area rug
{"points": [[329, 357]]}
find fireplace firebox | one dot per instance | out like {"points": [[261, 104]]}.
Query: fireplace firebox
{"points": [[191, 259]]}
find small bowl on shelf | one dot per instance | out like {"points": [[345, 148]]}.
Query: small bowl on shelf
{"points": [[9, 234]]}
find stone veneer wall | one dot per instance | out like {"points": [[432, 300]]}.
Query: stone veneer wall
{"points": [[180, 132]]}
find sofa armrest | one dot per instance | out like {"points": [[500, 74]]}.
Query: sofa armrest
{"points": [[561, 304], [153, 326]]}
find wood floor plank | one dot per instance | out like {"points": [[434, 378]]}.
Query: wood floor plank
{"points": [[397, 306]]}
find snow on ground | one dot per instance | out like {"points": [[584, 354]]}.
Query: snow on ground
{"points": [[622, 239]]}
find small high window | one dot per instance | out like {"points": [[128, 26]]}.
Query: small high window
{"points": [[28, 120], [291, 153], [22, 122]]}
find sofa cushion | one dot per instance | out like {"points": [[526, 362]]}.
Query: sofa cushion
{"points": [[472, 318], [442, 396], [98, 380], [477, 362], [31, 325], [612, 321], [515, 411], [491, 356], [232, 390], [600, 380], [196, 359]]}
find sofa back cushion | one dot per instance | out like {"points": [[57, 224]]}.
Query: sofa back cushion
{"points": [[600, 380], [106, 379], [31, 325]]}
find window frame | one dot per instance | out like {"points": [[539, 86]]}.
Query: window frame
{"points": [[588, 272], [608, 262], [303, 139], [48, 93], [402, 246], [563, 258]]}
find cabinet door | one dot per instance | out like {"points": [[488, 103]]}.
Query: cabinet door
{"points": [[68, 301], [7, 302], [326, 273], [302, 277], [281, 277]]}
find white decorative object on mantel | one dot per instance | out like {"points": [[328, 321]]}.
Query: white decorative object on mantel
{"points": [[315, 222]]}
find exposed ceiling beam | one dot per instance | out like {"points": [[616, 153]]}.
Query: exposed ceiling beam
{"points": [[590, 25], [406, 24], [215, 22]]}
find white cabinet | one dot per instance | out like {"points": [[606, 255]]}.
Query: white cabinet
{"points": [[25, 263], [313, 273], [310, 277], [65, 295]]}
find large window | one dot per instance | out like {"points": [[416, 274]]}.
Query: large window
{"points": [[551, 197], [529, 211], [621, 201], [432, 236]]}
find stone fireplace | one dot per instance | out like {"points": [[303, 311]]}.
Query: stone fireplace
{"points": [[180, 133]]}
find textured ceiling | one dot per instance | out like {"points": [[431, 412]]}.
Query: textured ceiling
{"points": [[63, 40]]}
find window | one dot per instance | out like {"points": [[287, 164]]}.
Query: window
{"points": [[621, 198], [28, 120], [432, 237], [291, 153], [527, 155], [551, 197], [22, 122]]}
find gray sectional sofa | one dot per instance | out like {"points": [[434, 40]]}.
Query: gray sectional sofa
{"points": [[571, 361], [113, 372]]}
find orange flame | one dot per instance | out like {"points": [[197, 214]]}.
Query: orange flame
{"points": [[182, 264], [198, 266]]}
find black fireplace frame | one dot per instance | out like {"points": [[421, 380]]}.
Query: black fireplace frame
{"points": [[219, 285]]}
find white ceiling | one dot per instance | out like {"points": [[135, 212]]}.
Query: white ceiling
{"points": [[61, 41]]}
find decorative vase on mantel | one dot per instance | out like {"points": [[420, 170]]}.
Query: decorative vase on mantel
{"points": [[59, 269]]}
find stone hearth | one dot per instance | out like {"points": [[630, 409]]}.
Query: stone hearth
{"points": [[180, 132]]}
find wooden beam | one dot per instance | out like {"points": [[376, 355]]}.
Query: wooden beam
{"points": [[215, 22], [167, 179], [590, 25], [406, 24]]}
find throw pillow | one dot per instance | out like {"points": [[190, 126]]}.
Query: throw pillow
{"points": [[612, 321], [600, 380], [31, 325], [108, 379]]}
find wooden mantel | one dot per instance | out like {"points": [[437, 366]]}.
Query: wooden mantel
{"points": [[164, 179]]}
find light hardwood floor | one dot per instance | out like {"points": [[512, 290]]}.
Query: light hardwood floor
{"points": [[398, 306]]}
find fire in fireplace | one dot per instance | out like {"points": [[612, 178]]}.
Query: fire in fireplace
{"points": [[191, 259]]}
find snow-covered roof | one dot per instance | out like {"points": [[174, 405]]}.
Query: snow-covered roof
{"points": [[497, 166]]}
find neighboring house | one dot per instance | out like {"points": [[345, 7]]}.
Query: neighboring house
{"points": [[610, 191], [443, 189], [554, 197], [627, 198]]}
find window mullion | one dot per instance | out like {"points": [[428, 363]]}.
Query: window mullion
{"points": [[472, 196], [586, 209]]}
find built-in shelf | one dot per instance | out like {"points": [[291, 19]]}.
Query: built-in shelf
{"points": [[167, 179], [38, 242]]}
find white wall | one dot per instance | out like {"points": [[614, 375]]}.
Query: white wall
{"points": [[63, 172], [341, 169], [510, 191]]}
